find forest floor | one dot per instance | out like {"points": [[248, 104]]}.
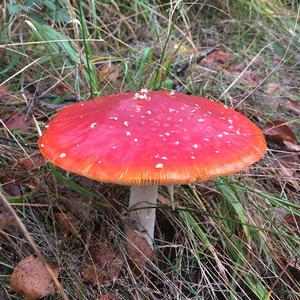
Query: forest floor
{"points": [[236, 237]]}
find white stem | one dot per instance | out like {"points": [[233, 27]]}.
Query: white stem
{"points": [[142, 196]]}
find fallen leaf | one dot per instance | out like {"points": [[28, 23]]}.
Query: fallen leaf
{"points": [[33, 161], [287, 167], [216, 59], [279, 131], [108, 296], [81, 208], [68, 222], [9, 184], [4, 94], [31, 279], [17, 122], [12, 189], [291, 146], [108, 72], [137, 247], [7, 219], [219, 56], [12, 179], [101, 264]]}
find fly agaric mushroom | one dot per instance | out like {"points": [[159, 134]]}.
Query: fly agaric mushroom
{"points": [[147, 139]]}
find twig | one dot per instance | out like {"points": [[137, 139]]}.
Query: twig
{"points": [[181, 69], [38, 253]]}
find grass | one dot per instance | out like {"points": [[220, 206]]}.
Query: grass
{"points": [[226, 239]]}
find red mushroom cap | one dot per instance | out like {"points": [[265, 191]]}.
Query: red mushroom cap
{"points": [[151, 138]]}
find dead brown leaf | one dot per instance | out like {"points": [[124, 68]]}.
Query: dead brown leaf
{"points": [[4, 94], [137, 247], [101, 264], [17, 122], [108, 72], [11, 188], [31, 279], [68, 222], [34, 161], [219, 56], [81, 208], [278, 130], [7, 219], [216, 59], [291, 146], [287, 167], [9, 182], [108, 296]]}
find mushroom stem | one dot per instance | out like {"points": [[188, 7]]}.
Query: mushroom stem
{"points": [[143, 200]]}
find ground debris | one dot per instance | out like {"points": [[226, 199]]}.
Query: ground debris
{"points": [[108, 296], [68, 222], [5, 94], [279, 130], [18, 122], [33, 161], [31, 279], [101, 264], [287, 166], [108, 72], [216, 59], [7, 219], [137, 247]]}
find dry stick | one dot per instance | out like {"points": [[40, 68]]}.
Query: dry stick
{"points": [[38, 253], [179, 71], [197, 59]]}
